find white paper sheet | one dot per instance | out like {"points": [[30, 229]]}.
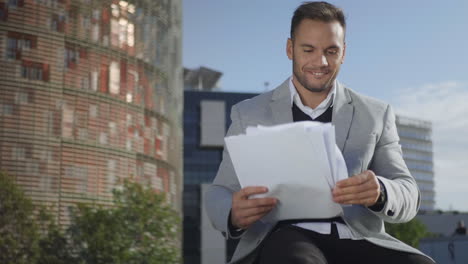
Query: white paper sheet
{"points": [[298, 162]]}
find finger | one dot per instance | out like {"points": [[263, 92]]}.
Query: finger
{"points": [[352, 181], [358, 179], [365, 202], [350, 198], [246, 222], [256, 202], [364, 187], [251, 190], [255, 211]]}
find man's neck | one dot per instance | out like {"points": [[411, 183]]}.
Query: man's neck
{"points": [[311, 99]]}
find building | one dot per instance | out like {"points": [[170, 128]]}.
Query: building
{"points": [[91, 93], [416, 142], [445, 246], [206, 119]]}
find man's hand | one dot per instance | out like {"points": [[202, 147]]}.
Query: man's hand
{"points": [[361, 189], [247, 211]]}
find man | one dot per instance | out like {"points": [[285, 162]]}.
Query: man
{"points": [[380, 187]]}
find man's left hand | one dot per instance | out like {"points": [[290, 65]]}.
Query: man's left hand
{"points": [[361, 189]]}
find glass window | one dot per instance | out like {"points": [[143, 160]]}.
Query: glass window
{"points": [[11, 48], [13, 3], [21, 98], [19, 153], [114, 69], [94, 80], [103, 138], [93, 109]]}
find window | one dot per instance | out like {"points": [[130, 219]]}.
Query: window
{"points": [[112, 128], [12, 48], [35, 71], [21, 98], [85, 22], [114, 77], [93, 111], [3, 12], [84, 83], [19, 153], [6, 109], [15, 3], [57, 23], [71, 58], [94, 80], [17, 42], [103, 138]]}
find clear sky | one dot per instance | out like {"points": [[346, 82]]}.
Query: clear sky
{"points": [[412, 54]]}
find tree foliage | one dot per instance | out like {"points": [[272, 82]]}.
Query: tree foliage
{"points": [[410, 232], [139, 228], [19, 235]]}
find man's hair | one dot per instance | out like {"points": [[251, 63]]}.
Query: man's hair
{"points": [[320, 11]]}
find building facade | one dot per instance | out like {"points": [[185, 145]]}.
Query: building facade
{"points": [[206, 119], [416, 143], [91, 93]]}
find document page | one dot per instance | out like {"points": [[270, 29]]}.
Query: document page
{"points": [[297, 163]]}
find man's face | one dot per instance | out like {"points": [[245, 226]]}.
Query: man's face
{"points": [[317, 52]]}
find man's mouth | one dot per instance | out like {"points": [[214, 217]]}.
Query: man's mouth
{"points": [[317, 73]]}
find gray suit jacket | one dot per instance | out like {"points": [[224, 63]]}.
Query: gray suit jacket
{"points": [[367, 136]]}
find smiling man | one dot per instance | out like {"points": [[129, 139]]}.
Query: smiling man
{"points": [[379, 187]]}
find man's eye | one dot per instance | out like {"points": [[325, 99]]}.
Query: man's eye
{"points": [[332, 52], [308, 50]]}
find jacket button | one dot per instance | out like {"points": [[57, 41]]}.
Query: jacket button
{"points": [[390, 213]]}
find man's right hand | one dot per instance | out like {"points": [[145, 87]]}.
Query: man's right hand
{"points": [[246, 211]]}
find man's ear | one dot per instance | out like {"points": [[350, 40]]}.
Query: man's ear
{"points": [[289, 48], [344, 53]]}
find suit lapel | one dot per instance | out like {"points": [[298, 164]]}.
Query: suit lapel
{"points": [[342, 116], [281, 104]]}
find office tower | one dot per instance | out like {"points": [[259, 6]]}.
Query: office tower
{"points": [[91, 93]]}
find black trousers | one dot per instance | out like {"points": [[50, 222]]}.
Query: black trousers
{"points": [[295, 245]]}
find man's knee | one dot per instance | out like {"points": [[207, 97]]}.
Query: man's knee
{"points": [[289, 245]]}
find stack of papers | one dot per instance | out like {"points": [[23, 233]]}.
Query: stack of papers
{"points": [[299, 163]]}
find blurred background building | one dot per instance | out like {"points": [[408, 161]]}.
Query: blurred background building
{"points": [[206, 119], [91, 92], [416, 143]]}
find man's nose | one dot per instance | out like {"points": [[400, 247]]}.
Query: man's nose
{"points": [[320, 60]]}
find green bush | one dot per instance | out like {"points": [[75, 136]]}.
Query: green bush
{"points": [[139, 228]]}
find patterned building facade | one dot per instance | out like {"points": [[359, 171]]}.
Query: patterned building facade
{"points": [[91, 92]]}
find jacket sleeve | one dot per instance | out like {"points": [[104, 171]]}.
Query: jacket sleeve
{"points": [[218, 197], [403, 196]]}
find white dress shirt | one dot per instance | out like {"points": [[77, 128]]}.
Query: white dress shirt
{"points": [[325, 227]]}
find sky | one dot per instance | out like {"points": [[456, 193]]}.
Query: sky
{"points": [[412, 54]]}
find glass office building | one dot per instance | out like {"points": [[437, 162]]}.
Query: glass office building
{"points": [[416, 143], [91, 93], [206, 119]]}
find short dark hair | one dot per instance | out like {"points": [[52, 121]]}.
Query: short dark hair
{"points": [[321, 11]]}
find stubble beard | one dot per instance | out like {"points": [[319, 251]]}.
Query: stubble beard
{"points": [[311, 88]]}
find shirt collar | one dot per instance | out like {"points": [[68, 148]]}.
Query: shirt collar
{"points": [[329, 101]]}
